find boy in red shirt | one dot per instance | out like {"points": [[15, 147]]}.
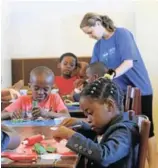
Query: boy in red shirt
{"points": [[47, 105], [65, 82]]}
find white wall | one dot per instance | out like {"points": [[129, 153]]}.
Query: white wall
{"points": [[38, 29], [146, 27], [5, 45], [41, 29]]}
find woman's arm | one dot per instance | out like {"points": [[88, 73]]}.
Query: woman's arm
{"points": [[124, 67]]}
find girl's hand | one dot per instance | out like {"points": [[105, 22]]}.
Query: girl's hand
{"points": [[62, 133], [68, 122]]}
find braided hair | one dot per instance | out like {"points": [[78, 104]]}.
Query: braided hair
{"points": [[102, 89]]}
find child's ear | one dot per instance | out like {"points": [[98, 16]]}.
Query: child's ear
{"points": [[110, 104], [58, 65], [96, 76]]}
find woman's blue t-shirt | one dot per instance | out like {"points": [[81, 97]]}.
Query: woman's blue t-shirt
{"points": [[113, 51]]}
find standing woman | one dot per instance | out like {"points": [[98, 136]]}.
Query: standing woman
{"points": [[117, 49]]}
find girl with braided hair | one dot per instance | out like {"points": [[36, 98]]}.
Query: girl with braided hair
{"points": [[117, 137]]}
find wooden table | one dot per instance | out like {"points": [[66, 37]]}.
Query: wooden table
{"points": [[65, 162]]}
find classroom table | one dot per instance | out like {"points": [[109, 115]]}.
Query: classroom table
{"points": [[29, 123], [64, 162]]}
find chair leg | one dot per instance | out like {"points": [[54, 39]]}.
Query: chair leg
{"points": [[152, 153]]}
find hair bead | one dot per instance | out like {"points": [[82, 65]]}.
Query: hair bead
{"points": [[92, 91]]}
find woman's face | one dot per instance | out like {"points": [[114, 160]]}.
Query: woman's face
{"points": [[96, 32]]}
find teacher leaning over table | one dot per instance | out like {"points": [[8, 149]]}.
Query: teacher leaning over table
{"points": [[117, 49]]}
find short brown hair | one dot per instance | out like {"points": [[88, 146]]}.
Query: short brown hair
{"points": [[98, 68], [90, 19]]}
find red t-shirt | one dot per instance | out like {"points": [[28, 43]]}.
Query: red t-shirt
{"points": [[65, 86], [24, 103]]}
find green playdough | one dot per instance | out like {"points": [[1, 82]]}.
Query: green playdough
{"points": [[40, 149], [17, 121], [50, 149]]}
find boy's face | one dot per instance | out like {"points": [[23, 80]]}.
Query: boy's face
{"points": [[91, 77], [98, 114], [41, 87], [67, 65]]}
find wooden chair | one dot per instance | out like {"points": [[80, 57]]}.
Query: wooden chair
{"points": [[133, 100], [144, 135], [144, 128]]}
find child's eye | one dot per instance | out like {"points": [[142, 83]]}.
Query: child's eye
{"points": [[90, 113], [46, 89]]}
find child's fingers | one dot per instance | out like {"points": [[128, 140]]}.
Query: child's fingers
{"points": [[57, 139], [64, 123], [55, 134], [68, 122], [16, 115], [36, 113], [35, 110]]}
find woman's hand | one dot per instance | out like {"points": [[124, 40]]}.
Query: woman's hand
{"points": [[110, 74], [62, 132]]}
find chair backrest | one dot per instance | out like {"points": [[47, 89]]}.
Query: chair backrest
{"points": [[133, 100], [144, 128], [144, 125]]}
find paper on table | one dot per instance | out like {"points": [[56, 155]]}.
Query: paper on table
{"points": [[53, 156], [54, 128], [73, 104]]}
